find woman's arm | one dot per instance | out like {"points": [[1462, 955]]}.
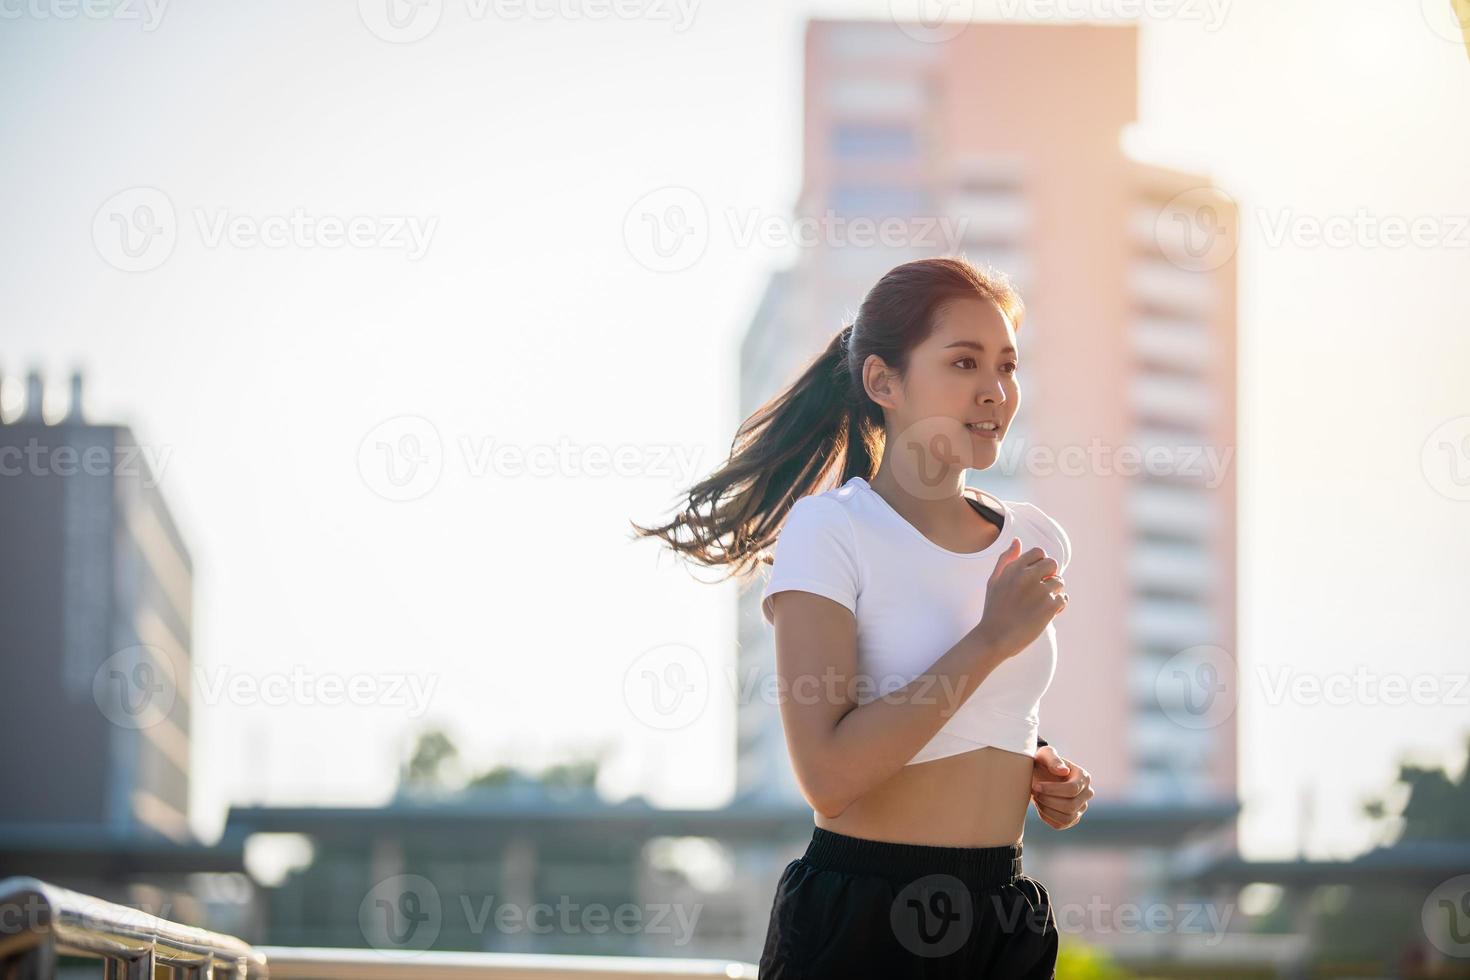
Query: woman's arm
{"points": [[840, 750]]}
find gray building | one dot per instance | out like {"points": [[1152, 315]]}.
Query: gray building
{"points": [[95, 661]]}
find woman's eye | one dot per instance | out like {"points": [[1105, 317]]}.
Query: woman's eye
{"points": [[1012, 365]]}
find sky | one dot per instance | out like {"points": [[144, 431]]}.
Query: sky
{"points": [[389, 243]]}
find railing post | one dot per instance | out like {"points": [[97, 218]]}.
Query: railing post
{"points": [[135, 968], [36, 963]]}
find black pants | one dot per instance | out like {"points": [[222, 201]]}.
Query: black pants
{"points": [[851, 907]]}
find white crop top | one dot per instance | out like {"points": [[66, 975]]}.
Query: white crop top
{"points": [[913, 600]]}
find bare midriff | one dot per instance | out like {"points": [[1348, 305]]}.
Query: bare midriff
{"points": [[973, 799]]}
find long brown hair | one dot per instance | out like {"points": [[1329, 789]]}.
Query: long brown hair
{"points": [[824, 422]]}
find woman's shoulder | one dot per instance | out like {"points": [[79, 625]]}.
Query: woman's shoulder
{"points": [[1047, 526], [834, 504]]}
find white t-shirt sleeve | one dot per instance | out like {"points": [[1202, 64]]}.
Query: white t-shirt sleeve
{"points": [[815, 552], [1058, 545]]}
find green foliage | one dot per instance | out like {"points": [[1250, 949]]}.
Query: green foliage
{"points": [[426, 764], [1437, 808], [434, 752], [1078, 962]]}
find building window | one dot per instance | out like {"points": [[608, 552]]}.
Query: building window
{"points": [[874, 141]]}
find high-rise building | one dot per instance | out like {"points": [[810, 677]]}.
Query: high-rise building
{"points": [[95, 608], [1004, 143]]}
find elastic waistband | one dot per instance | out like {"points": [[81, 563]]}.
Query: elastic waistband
{"points": [[977, 867]]}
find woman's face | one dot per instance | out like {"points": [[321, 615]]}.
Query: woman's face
{"points": [[964, 372]]}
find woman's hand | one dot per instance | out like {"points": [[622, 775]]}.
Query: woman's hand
{"points": [[1059, 790], [1023, 595]]}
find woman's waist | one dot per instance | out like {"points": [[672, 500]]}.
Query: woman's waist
{"points": [[972, 799]]}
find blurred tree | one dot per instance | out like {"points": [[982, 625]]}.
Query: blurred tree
{"points": [[434, 764], [426, 764], [1437, 807], [1381, 925], [1078, 962]]}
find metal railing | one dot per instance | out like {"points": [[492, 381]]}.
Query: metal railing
{"points": [[40, 922], [307, 963]]}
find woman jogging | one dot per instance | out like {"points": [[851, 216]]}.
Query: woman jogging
{"points": [[913, 632]]}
